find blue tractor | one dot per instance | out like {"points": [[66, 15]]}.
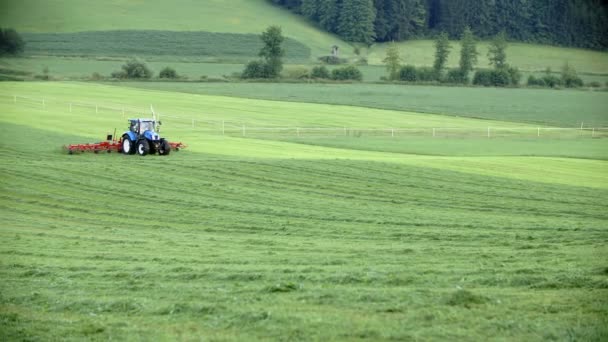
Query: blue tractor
{"points": [[143, 138]]}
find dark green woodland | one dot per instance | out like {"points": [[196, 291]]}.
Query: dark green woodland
{"points": [[576, 23]]}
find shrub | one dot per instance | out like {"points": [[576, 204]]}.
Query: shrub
{"points": [[133, 68], [346, 73], [296, 73], [96, 76], [514, 76], [333, 60], [320, 72], [255, 69], [483, 78], [119, 74], [552, 81], [408, 73], [570, 77], [533, 81], [594, 84], [493, 78], [11, 42], [168, 72], [426, 74], [456, 76]]}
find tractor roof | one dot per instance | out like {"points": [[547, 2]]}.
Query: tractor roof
{"points": [[142, 120]]}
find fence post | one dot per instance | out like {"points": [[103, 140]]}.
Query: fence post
{"points": [[243, 130], [345, 131], [43, 104], [433, 132], [392, 132], [298, 131], [15, 98], [488, 131], [538, 133], [593, 132]]}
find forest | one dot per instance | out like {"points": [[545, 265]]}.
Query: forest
{"points": [[575, 23]]}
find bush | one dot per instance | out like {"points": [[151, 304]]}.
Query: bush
{"points": [[552, 81], [408, 73], [96, 76], [538, 82], [255, 69], [134, 68], [493, 78], [296, 73], [594, 84], [333, 60], [514, 76], [426, 74], [570, 77], [346, 73], [168, 72], [320, 72], [456, 76], [119, 74], [483, 78], [11, 42]]}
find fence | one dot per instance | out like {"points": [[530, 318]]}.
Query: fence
{"points": [[243, 129]]}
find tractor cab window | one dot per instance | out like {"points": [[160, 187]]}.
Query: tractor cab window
{"points": [[147, 126], [134, 127]]}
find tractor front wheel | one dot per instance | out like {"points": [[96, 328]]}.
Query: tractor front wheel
{"points": [[143, 147], [127, 145], [165, 148]]}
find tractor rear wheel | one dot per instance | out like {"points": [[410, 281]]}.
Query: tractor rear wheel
{"points": [[143, 147], [164, 148], [127, 145]]}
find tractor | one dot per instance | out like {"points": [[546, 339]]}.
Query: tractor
{"points": [[143, 138]]}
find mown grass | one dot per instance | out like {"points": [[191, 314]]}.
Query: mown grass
{"points": [[246, 239], [237, 16], [157, 45]]}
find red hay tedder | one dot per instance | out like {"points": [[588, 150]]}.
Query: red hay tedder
{"points": [[141, 138]]}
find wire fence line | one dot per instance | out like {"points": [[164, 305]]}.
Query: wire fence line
{"points": [[231, 128]]}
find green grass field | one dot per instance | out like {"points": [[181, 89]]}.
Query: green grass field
{"points": [[564, 108], [239, 238], [236, 16]]}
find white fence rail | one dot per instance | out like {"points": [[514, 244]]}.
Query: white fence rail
{"points": [[231, 128]]}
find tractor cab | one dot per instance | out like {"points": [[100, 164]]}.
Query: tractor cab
{"points": [[139, 126], [143, 137]]}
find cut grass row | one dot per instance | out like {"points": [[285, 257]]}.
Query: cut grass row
{"points": [[157, 44], [253, 248]]}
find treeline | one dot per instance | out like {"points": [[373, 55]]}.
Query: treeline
{"points": [[577, 23]]}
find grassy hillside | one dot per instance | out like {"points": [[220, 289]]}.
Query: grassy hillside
{"points": [[156, 44], [527, 57], [236, 16], [565, 108], [246, 239], [239, 16]]}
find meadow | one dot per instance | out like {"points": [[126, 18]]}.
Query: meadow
{"points": [[237, 238], [155, 44], [564, 108]]}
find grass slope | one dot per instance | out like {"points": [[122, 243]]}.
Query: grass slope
{"points": [[236, 16], [156, 44], [245, 239], [564, 108], [527, 57]]}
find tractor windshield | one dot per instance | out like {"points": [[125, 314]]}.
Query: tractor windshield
{"points": [[147, 126]]}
